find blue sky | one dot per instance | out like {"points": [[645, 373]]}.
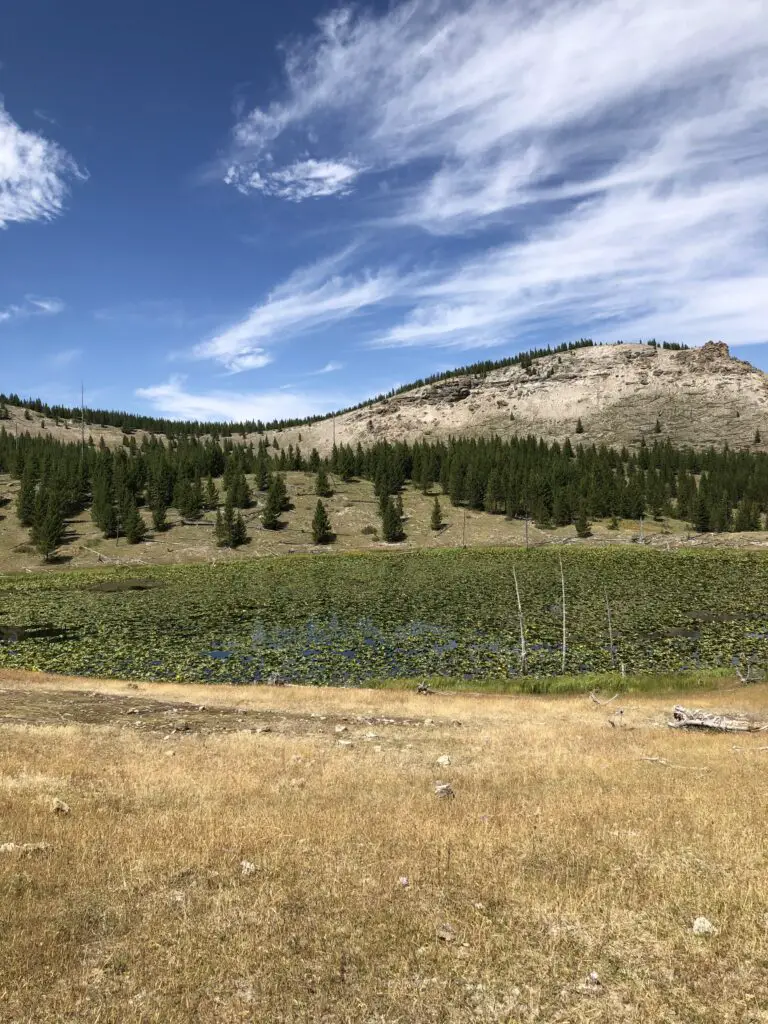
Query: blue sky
{"points": [[240, 209]]}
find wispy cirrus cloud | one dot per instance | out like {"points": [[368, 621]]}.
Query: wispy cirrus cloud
{"points": [[32, 306], [35, 174], [323, 293], [331, 367], [588, 164], [304, 179], [174, 400], [66, 357]]}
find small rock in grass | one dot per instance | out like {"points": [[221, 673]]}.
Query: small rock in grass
{"points": [[59, 807], [428, 721], [446, 932], [703, 926], [340, 728], [444, 790], [377, 749], [444, 760], [403, 881], [345, 743], [247, 868], [263, 728], [24, 849]]}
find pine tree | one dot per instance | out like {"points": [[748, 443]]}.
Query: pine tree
{"points": [[391, 524], [582, 523], [322, 484], [223, 530], [657, 426], [211, 494], [321, 525], [579, 426], [25, 500], [493, 500], [436, 520], [270, 517], [48, 526], [425, 473], [239, 532], [758, 438], [134, 527], [701, 513]]}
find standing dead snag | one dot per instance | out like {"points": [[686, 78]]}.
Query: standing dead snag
{"points": [[562, 583], [682, 718], [522, 624], [610, 628]]}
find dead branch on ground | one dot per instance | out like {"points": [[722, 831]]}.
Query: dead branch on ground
{"points": [[683, 718]]}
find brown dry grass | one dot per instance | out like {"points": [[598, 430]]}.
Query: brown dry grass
{"points": [[562, 853]]}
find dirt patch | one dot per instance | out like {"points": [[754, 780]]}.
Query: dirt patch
{"points": [[33, 706]]}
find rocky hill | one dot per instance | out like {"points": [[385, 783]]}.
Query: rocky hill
{"points": [[699, 397]]}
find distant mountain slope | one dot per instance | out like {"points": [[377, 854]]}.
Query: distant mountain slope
{"points": [[700, 397]]}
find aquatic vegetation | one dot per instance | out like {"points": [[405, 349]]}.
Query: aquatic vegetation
{"points": [[348, 619]]}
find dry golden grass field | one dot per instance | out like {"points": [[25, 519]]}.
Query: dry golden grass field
{"points": [[279, 854]]}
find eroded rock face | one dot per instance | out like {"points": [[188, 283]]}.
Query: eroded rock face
{"points": [[714, 350], [700, 397]]}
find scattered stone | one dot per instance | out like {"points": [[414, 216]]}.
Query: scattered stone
{"points": [[703, 926], [263, 728], [170, 753], [24, 849], [403, 881], [428, 721], [444, 760], [444, 790], [593, 978], [133, 711], [341, 728], [247, 868], [345, 743], [59, 807], [377, 749], [446, 932], [298, 783], [180, 726], [371, 735], [202, 707]]}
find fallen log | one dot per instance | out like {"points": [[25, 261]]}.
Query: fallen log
{"points": [[683, 718]]}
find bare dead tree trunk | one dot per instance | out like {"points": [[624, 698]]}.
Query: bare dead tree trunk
{"points": [[522, 623], [610, 628], [562, 583]]}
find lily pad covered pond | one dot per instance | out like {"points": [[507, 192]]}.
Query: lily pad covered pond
{"points": [[350, 619]]}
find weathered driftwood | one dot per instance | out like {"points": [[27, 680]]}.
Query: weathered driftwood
{"points": [[594, 698], [683, 718]]}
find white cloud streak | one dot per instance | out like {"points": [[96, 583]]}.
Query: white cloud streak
{"points": [[32, 306], [616, 149], [35, 174], [310, 298], [174, 401]]}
